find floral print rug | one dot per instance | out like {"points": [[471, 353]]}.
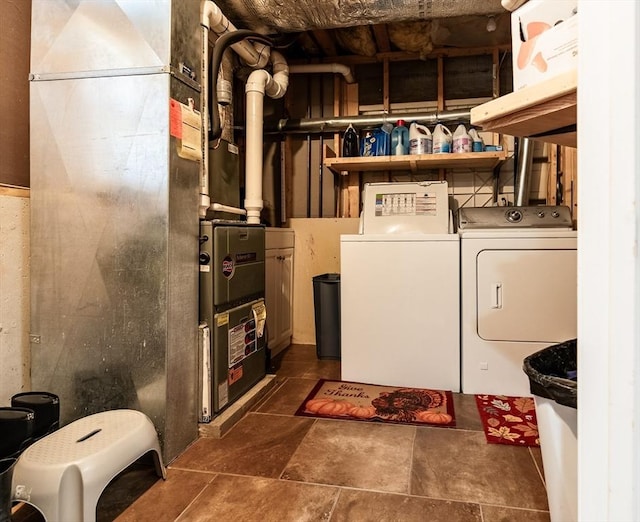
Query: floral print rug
{"points": [[368, 402], [509, 420]]}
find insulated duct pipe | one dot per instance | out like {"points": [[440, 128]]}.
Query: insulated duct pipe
{"points": [[212, 19], [260, 83], [340, 123], [269, 16], [523, 177], [338, 68]]}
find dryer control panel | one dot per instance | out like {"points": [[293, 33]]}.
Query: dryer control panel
{"points": [[515, 217]]}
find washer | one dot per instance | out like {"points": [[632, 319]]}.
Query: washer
{"points": [[400, 301], [518, 292]]}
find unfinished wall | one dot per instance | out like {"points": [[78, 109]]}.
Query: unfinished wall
{"points": [[15, 30], [317, 251], [14, 293]]}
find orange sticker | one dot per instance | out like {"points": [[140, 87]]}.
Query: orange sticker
{"points": [[175, 118], [235, 374]]}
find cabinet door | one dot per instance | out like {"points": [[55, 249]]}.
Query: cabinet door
{"points": [[272, 295], [286, 293]]}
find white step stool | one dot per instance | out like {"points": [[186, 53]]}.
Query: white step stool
{"points": [[64, 473]]}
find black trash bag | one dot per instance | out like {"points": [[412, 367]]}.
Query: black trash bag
{"points": [[553, 374]]}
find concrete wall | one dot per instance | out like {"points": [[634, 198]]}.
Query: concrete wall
{"points": [[14, 293], [317, 251]]}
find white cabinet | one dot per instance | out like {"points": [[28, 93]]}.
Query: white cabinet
{"points": [[279, 284]]}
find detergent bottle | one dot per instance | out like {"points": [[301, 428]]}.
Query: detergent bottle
{"points": [[442, 139], [400, 139], [420, 139], [383, 141], [477, 144], [461, 140]]}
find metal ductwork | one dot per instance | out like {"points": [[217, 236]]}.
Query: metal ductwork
{"points": [[340, 123], [277, 16], [523, 173]]}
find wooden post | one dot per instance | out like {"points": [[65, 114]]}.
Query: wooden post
{"points": [[441, 172], [350, 181]]}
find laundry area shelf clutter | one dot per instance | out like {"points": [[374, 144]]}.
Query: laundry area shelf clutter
{"points": [[477, 160]]}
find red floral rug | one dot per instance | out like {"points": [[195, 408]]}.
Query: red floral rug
{"points": [[509, 420], [368, 402]]}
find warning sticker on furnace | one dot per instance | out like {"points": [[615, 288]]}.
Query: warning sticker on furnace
{"points": [[409, 204], [242, 341]]}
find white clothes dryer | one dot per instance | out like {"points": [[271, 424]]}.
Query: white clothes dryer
{"points": [[518, 292]]}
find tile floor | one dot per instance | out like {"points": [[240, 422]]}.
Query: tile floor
{"points": [[273, 466]]}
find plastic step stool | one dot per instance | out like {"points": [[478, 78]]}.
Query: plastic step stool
{"points": [[64, 473]]}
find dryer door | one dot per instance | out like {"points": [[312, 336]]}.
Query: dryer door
{"points": [[527, 295]]}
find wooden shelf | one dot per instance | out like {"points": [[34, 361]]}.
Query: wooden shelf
{"points": [[414, 163], [546, 111]]}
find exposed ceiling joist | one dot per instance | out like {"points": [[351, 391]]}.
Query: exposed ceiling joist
{"points": [[381, 36], [325, 41]]}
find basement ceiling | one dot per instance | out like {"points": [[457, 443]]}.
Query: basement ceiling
{"points": [[325, 30]]}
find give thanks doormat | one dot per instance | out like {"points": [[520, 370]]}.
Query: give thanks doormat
{"points": [[509, 420], [368, 402]]}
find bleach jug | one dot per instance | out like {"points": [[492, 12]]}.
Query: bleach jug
{"points": [[442, 139], [461, 140], [420, 140], [477, 144], [400, 139]]}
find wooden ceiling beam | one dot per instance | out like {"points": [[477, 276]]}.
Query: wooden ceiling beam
{"points": [[326, 42], [381, 36], [400, 56]]}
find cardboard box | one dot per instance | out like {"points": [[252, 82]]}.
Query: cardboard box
{"points": [[544, 36]]}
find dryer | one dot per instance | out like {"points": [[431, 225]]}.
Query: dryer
{"points": [[518, 292]]}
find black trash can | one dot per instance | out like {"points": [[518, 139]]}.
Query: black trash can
{"points": [[46, 407], [553, 382], [326, 301]]}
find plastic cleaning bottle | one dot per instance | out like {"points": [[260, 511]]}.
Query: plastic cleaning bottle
{"points": [[420, 139], [461, 140], [383, 142], [350, 145], [477, 143], [442, 139], [400, 139]]}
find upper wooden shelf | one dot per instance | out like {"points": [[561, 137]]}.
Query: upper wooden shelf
{"points": [[546, 111], [414, 163]]}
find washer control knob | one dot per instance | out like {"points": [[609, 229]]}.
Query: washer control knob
{"points": [[514, 216], [555, 214], [204, 258], [541, 214]]}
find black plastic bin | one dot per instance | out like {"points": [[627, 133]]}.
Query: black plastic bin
{"points": [[326, 301]]}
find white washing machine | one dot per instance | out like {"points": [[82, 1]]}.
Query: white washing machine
{"points": [[518, 292], [400, 299]]}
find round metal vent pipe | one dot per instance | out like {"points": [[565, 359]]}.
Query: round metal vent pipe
{"points": [[523, 174], [340, 123]]}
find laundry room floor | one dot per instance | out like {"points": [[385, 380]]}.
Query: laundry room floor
{"points": [[274, 466]]}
